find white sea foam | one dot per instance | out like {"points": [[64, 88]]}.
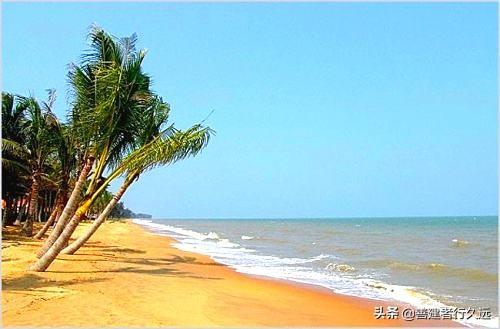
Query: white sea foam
{"points": [[212, 235], [183, 232], [333, 276], [340, 267], [460, 243]]}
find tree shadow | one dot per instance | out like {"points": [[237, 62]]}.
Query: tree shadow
{"points": [[18, 239], [190, 260], [126, 250], [164, 271], [32, 282], [96, 246], [175, 259], [6, 259]]}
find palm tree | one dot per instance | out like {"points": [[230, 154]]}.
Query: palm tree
{"points": [[15, 167], [113, 103], [110, 94], [35, 148], [39, 144], [13, 118]]}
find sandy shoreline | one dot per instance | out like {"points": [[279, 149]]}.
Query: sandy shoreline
{"points": [[126, 276]]}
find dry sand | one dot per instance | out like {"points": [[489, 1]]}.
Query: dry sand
{"points": [[125, 276]]}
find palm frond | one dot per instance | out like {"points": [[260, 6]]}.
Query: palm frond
{"points": [[15, 148], [13, 165], [167, 148]]}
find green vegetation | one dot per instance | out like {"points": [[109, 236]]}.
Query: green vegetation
{"points": [[59, 172]]}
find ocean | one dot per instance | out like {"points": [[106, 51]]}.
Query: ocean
{"points": [[427, 262]]}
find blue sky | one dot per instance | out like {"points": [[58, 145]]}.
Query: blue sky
{"points": [[328, 109]]}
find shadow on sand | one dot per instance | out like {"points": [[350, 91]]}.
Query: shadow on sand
{"points": [[159, 266], [34, 282]]}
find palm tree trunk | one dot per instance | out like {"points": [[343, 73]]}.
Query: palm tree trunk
{"points": [[27, 229], [22, 210], [8, 210], [40, 211], [64, 198], [61, 199], [25, 215], [8, 202], [78, 243], [42, 208], [53, 215], [14, 205], [5, 216], [49, 204], [47, 224], [62, 241], [63, 188], [69, 209]]}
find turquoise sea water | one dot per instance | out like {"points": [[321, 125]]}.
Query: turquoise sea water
{"points": [[426, 262]]}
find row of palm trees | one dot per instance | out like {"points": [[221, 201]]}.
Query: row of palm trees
{"points": [[117, 127]]}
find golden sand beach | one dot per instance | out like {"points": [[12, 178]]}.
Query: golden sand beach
{"points": [[125, 276]]}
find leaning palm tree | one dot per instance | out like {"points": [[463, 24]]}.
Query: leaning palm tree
{"points": [[112, 101], [165, 149], [110, 94]]}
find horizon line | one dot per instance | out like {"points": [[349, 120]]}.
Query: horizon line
{"points": [[322, 217]]}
